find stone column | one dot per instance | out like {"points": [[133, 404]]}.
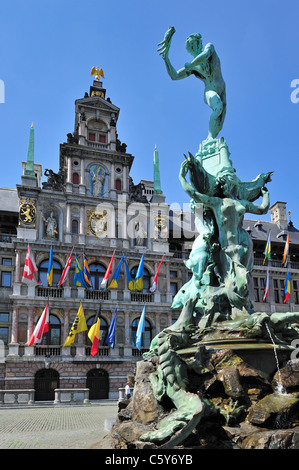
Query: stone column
{"points": [[69, 185], [82, 186], [14, 326], [18, 266], [127, 348], [30, 322], [68, 236], [81, 225]]}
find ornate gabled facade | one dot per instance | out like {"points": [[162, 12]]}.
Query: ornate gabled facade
{"points": [[91, 203]]}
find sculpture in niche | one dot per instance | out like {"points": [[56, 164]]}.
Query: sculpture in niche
{"points": [[97, 175], [140, 233], [51, 226]]}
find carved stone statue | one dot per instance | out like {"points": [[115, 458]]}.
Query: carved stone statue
{"points": [[205, 66], [140, 233], [98, 180], [51, 226]]}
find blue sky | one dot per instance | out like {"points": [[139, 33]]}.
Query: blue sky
{"points": [[49, 47]]}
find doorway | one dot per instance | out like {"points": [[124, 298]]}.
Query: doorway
{"points": [[45, 382]]}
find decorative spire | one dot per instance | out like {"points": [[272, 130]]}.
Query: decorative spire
{"points": [[30, 155], [157, 183]]}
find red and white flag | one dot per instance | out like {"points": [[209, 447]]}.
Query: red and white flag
{"points": [[41, 327], [155, 282], [30, 269], [66, 269], [106, 277], [266, 286]]}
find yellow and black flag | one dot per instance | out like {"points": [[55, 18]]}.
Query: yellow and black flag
{"points": [[78, 326]]}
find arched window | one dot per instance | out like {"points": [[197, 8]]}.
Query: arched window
{"points": [[118, 184], [146, 278], [75, 226], [103, 330], [75, 178], [43, 269], [53, 337], [146, 336], [97, 272]]}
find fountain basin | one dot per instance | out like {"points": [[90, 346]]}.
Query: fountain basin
{"points": [[259, 355]]}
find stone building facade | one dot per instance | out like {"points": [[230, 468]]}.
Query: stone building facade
{"points": [[92, 204]]}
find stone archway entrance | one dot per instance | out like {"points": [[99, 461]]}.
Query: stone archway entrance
{"points": [[45, 382], [97, 380]]}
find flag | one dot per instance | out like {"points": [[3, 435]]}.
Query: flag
{"points": [[139, 275], [50, 268], [87, 276], [114, 282], [140, 329], [287, 289], [30, 269], [286, 252], [78, 326], [42, 327], [131, 284], [154, 285], [110, 340], [266, 286], [94, 333], [66, 269], [107, 273], [79, 279], [267, 252]]}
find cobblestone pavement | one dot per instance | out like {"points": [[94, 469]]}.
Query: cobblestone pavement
{"points": [[52, 427]]}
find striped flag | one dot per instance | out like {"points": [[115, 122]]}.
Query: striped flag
{"points": [[66, 269], [286, 252], [41, 328], [267, 252], [155, 282], [114, 282], [78, 326], [266, 287], [107, 273], [140, 329], [30, 269], [287, 289], [50, 268], [94, 333], [110, 340], [87, 276]]}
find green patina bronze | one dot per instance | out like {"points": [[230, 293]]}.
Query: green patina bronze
{"points": [[215, 303]]}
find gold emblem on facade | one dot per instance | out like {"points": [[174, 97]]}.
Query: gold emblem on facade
{"points": [[97, 223], [27, 212]]}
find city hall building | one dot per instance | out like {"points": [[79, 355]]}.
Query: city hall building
{"points": [[93, 207]]}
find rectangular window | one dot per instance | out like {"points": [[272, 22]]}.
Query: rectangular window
{"points": [[4, 317], [174, 288], [102, 139], [7, 261], [4, 334], [296, 292], [5, 279], [173, 274], [92, 137]]}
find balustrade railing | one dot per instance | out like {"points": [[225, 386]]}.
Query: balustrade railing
{"points": [[142, 297], [52, 292]]}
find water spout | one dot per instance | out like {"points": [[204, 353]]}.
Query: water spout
{"points": [[280, 388]]}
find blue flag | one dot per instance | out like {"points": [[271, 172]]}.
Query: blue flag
{"points": [[50, 268], [140, 329], [79, 276], [139, 275], [110, 340]]}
